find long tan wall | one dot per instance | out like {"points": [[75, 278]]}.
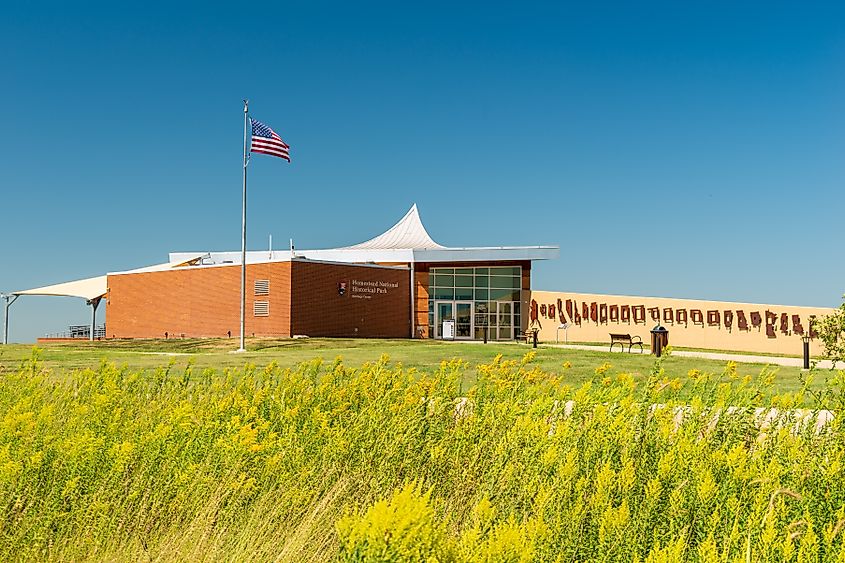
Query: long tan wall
{"points": [[719, 325]]}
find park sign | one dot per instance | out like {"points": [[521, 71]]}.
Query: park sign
{"points": [[366, 289]]}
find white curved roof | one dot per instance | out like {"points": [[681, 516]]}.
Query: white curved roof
{"points": [[90, 288], [409, 233]]}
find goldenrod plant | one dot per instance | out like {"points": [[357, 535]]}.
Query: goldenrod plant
{"points": [[326, 462]]}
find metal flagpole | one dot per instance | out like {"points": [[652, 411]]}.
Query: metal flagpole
{"points": [[243, 234]]}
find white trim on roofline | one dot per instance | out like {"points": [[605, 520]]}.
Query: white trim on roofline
{"points": [[513, 253], [395, 256], [251, 260]]}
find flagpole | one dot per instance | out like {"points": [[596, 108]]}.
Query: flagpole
{"points": [[243, 235]]}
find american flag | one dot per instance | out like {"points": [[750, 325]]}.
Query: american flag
{"points": [[267, 141]]}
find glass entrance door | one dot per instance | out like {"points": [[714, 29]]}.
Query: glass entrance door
{"points": [[443, 311], [460, 312], [463, 319], [482, 321], [504, 320]]}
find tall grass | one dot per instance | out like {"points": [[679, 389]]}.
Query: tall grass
{"points": [[326, 462]]}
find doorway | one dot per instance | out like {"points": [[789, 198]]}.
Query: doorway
{"points": [[504, 320], [458, 311]]}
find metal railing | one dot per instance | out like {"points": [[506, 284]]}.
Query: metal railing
{"points": [[82, 332]]}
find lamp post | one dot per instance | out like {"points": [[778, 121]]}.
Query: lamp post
{"points": [[805, 339]]}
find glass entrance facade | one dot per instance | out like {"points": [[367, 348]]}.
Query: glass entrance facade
{"points": [[481, 299]]}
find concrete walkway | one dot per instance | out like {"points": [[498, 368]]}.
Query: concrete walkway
{"points": [[721, 356]]}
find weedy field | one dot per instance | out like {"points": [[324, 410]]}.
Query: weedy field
{"points": [[385, 462]]}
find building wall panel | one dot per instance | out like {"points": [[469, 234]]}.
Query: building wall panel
{"points": [[196, 302], [421, 279], [375, 303]]}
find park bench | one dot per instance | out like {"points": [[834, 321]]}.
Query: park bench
{"points": [[623, 339], [528, 335]]}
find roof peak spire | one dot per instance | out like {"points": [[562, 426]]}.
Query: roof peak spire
{"points": [[407, 233]]}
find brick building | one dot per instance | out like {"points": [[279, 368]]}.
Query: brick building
{"points": [[400, 284]]}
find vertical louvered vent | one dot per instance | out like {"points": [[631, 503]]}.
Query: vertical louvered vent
{"points": [[262, 287], [261, 309]]}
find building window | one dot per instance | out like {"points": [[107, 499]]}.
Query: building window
{"points": [[262, 287], [261, 309]]}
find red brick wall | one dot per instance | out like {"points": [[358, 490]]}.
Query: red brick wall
{"points": [[421, 280], [319, 310], [526, 275], [304, 299], [196, 302]]}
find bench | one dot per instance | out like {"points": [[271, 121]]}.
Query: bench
{"points": [[623, 339], [528, 335]]}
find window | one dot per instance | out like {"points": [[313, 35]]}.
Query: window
{"points": [[447, 293], [463, 281], [262, 287], [261, 309], [463, 294]]}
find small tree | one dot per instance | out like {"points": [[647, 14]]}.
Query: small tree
{"points": [[831, 331]]}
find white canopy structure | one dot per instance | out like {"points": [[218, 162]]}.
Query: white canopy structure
{"points": [[90, 289], [408, 233]]}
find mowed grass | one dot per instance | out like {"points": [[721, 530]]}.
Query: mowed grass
{"points": [[575, 366]]}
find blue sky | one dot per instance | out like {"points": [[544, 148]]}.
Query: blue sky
{"points": [[671, 149]]}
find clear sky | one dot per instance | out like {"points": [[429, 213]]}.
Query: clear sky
{"points": [[672, 149]]}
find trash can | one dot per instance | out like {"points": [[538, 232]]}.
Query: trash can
{"points": [[659, 340]]}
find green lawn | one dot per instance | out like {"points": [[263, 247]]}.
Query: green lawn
{"points": [[423, 355]]}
